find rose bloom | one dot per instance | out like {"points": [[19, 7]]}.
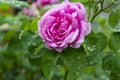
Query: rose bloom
{"points": [[31, 11], [39, 3], [63, 26]]}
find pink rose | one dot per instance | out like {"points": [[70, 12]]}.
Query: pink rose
{"points": [[31, 12], [39, 3], [65, 25]]}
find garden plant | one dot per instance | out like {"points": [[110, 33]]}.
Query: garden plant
{"points": [[59, 39]]}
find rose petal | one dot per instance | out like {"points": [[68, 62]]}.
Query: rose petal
{"points": [[74, 36], [65, 25], [86, 27]]}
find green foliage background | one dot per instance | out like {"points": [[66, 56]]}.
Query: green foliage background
{"points": [[23, 55]]}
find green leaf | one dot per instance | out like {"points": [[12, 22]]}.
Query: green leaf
{"points": [[114, 19], [93, 57], [74, 59], [9, 35], [1, 36], [96, 41], [111, 63], [102, 41], [35, 62], [1, 19], [114, 42], [17, 44], [26, 25], [36, 48], [91, 40], [35, 59], [34, 25], [115, 76], [48, 63], [109, 0], [14, 3], [79, 0], [70, 76], [4, 7]]}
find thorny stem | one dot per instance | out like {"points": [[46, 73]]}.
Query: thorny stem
{"points": [[102, 9]]}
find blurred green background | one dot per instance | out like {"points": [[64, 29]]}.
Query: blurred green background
{"points": [[21, 48]]}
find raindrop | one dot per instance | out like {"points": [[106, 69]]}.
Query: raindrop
{"points": [[77, 73], [118, 50], [7, 2], [99, 58], [87, 63], [114, 55], [79, 58], [91, 62], [94, 46], [18, 6], [107, 71], [33, 44], [20, 35], [87, 54], [13, 3], [28, 44], [115, 2], [79, 68]]}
